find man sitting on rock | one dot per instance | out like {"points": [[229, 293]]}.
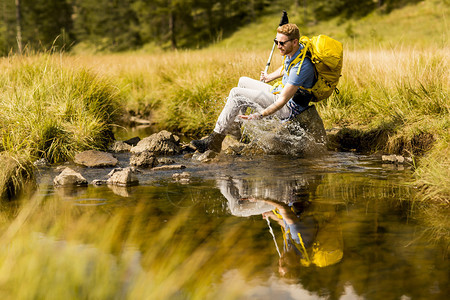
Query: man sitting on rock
{"points": [[285, 100]]}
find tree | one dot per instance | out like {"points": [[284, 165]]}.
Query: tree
{"points": [[19, 25]]}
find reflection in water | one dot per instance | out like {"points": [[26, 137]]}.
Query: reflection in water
{"points": [[310, 237], [343, 227]]}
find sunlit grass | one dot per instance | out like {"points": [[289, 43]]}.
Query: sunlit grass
{"points": [[52, 111], [49, 110], [401, 92], [55, 251]]}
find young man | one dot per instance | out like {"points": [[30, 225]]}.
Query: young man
{"points": [[285, 100]]}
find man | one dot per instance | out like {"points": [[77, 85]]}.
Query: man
{"points": [[284, 100]]}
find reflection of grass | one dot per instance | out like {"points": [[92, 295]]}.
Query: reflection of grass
{"points": [[55, 252]]}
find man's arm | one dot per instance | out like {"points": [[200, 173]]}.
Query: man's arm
{"points": [[264, 77], [286, 94]]}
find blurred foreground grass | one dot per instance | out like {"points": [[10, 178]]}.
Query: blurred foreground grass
{"points": [[56, 251]]}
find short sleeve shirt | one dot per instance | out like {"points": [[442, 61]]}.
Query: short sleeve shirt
{"points": [[305, 78]]}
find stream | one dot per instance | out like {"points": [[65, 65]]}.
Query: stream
{"points": [[340, 226]]}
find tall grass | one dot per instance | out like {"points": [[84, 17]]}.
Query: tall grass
{"points": [[400, 93], [50, 111], [52, 250]]}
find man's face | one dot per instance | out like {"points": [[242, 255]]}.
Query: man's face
{"points": [[285, 45]]}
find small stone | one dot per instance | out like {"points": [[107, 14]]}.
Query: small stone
{"points": [[169, 167], [119, 146]]}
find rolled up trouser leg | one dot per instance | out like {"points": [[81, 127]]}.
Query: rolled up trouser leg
{"points": [[255, 94]]}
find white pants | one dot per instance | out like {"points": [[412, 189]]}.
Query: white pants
{"points": [[249, 93]]}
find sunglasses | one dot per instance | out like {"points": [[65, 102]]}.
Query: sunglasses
{"points": [[281, 43]]}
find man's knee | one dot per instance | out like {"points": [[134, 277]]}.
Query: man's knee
{"points": [[243, 81]]}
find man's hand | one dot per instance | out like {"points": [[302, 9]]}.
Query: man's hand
{"points": [[255, 116], [264, 77]]}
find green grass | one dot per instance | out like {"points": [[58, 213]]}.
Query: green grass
{"points": [[50, 111]]}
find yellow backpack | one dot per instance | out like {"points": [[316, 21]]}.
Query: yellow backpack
{"points": [[327, 56]]}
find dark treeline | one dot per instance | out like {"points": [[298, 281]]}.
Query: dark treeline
{"points": [[117, 25]]}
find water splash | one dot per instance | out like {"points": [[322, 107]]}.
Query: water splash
{"points": [[272, 136]]}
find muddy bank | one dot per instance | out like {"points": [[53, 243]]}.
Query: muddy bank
{"points": [[376, 141]]}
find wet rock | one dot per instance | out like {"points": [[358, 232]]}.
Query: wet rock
{"points": [[166, 161], [183, 178], [205, 157], [98, 182], [303, 136], [122, 177], [396, 159], [94, 158], [133, 141], [169, 167], [43, 162], [119, 146], [163, 142], [144, 159], [312, 123], [187, 148], [232, 146], [69, 177]]}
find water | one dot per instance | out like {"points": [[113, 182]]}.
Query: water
{"points": [[360, 235]]}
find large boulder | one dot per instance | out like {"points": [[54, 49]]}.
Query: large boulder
{"points": [[310, 121], [302, 136], [94, 158], [161, 143], [69, 177]]}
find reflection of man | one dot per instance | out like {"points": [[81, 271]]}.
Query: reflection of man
{"points": [[311, 234], [309, 239]]}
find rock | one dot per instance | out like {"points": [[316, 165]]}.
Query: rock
{"points": [[122, 177], [169, 167], [94, 158], [144, 159], [163, 142], [165, 161], [312, 123], [302, 136], [205, 157], [183, 175], [69, 177], [133, 141], [98, 182], [183, 178], [396, 159], [43, 162], [231, 145], [119, 146], [137, 120]]}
